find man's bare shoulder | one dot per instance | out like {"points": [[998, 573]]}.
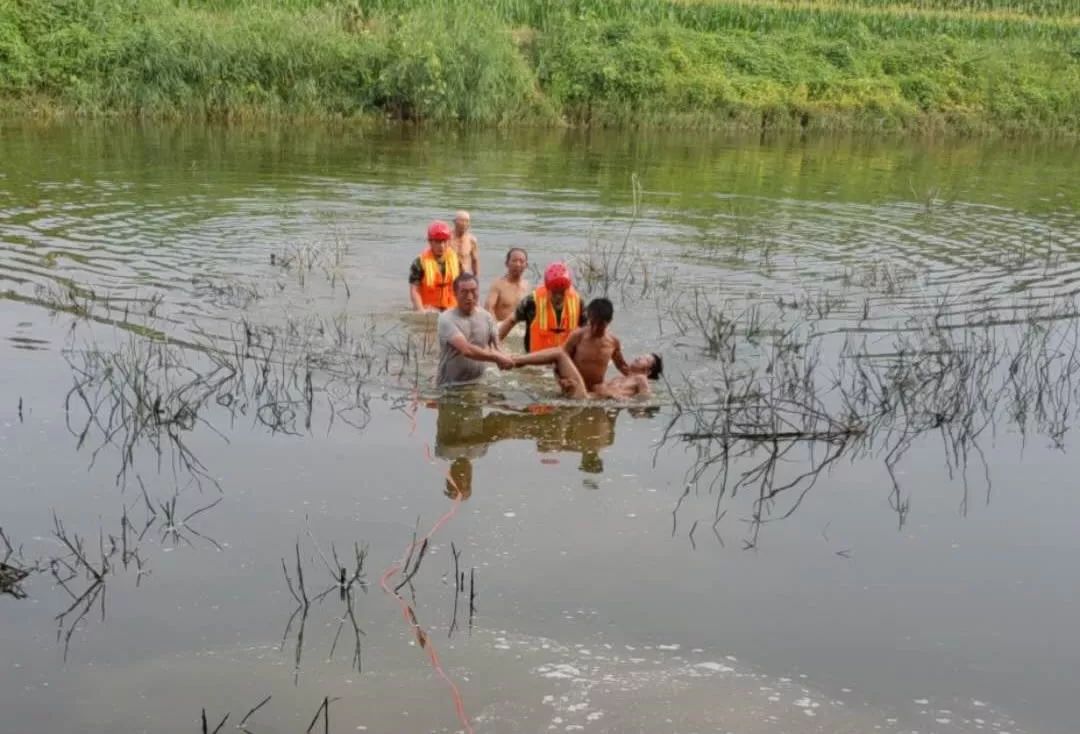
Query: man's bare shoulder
{"points": [[574, 339], [607, 341]]}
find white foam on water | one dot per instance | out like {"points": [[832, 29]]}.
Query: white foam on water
{"points": [[655, 690], [716, 667], [532, 684], [559, 671]]}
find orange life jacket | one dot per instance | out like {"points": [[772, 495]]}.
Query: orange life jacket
{"points": [[437, 287], [546, 331]]}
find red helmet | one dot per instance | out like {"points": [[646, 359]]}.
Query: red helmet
{"points": [[438, 230], [557, 277]]}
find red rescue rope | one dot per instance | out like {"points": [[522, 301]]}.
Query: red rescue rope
{"points": [[407, 612]]}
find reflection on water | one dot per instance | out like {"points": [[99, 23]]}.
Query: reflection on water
{"points": [[466, 427], [468, 423]]}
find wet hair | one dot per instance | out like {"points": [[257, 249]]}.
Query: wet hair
{"points": [[657, 366], [512, 250], [600, 311], [464, 278]]}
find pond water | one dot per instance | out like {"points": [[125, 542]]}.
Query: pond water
{"points": [[209, 375]]}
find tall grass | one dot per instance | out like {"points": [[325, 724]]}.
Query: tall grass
{"points": [[1037, 19], [154, 57], [960, 64]]}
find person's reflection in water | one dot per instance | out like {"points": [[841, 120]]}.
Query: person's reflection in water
{"points": [[591, 463], [459, 481], [584, 430], [464, 432], [459, 436]]}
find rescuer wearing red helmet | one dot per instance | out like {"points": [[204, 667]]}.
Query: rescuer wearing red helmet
{"points": [[431, 277], [550, 313]]}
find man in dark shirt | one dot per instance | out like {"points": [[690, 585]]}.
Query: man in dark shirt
{"points": [[526, 308], [432, 274]]}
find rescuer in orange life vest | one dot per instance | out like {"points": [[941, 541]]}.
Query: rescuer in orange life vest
{"points": [[551, 312], [431, 277]]}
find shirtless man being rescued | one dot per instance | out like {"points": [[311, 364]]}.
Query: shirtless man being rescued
{"points": [[464, 244], [507, 291], [591, 349]]}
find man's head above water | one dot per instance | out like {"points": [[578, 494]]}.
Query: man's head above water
{"points": [[467, 292], [462, 221], [516, 262], [651, 365], [438, 234], [599, 312]]}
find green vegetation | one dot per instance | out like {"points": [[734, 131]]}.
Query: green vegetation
{"points": [[962, 65]]}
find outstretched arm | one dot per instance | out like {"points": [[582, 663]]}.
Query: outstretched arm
{"points": [[481, 354], [505, 326], [525, 311], [619, 360]]}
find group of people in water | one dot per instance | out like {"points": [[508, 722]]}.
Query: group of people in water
{"points": [[558, 331]]}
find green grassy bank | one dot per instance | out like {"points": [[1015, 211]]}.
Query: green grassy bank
{"points": [[915, 65]]}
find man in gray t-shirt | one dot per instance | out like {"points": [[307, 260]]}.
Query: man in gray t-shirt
{"points": [[468, 337]]}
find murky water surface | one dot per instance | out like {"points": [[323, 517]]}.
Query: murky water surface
{"points": [[209, 379]]}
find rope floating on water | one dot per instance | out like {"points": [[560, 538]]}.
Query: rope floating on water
{"points": [[407, 612]]}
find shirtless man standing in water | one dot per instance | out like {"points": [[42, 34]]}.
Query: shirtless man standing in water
{"points": [[593, 348], [464, 244], [508, 290]]}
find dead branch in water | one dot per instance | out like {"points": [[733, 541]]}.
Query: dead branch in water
{"points": [[146, 398], [345, 581], [610, 265], [324, 710], [416, 566], [13, 570], [939, 377], [252, 711], [83, 569]]}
